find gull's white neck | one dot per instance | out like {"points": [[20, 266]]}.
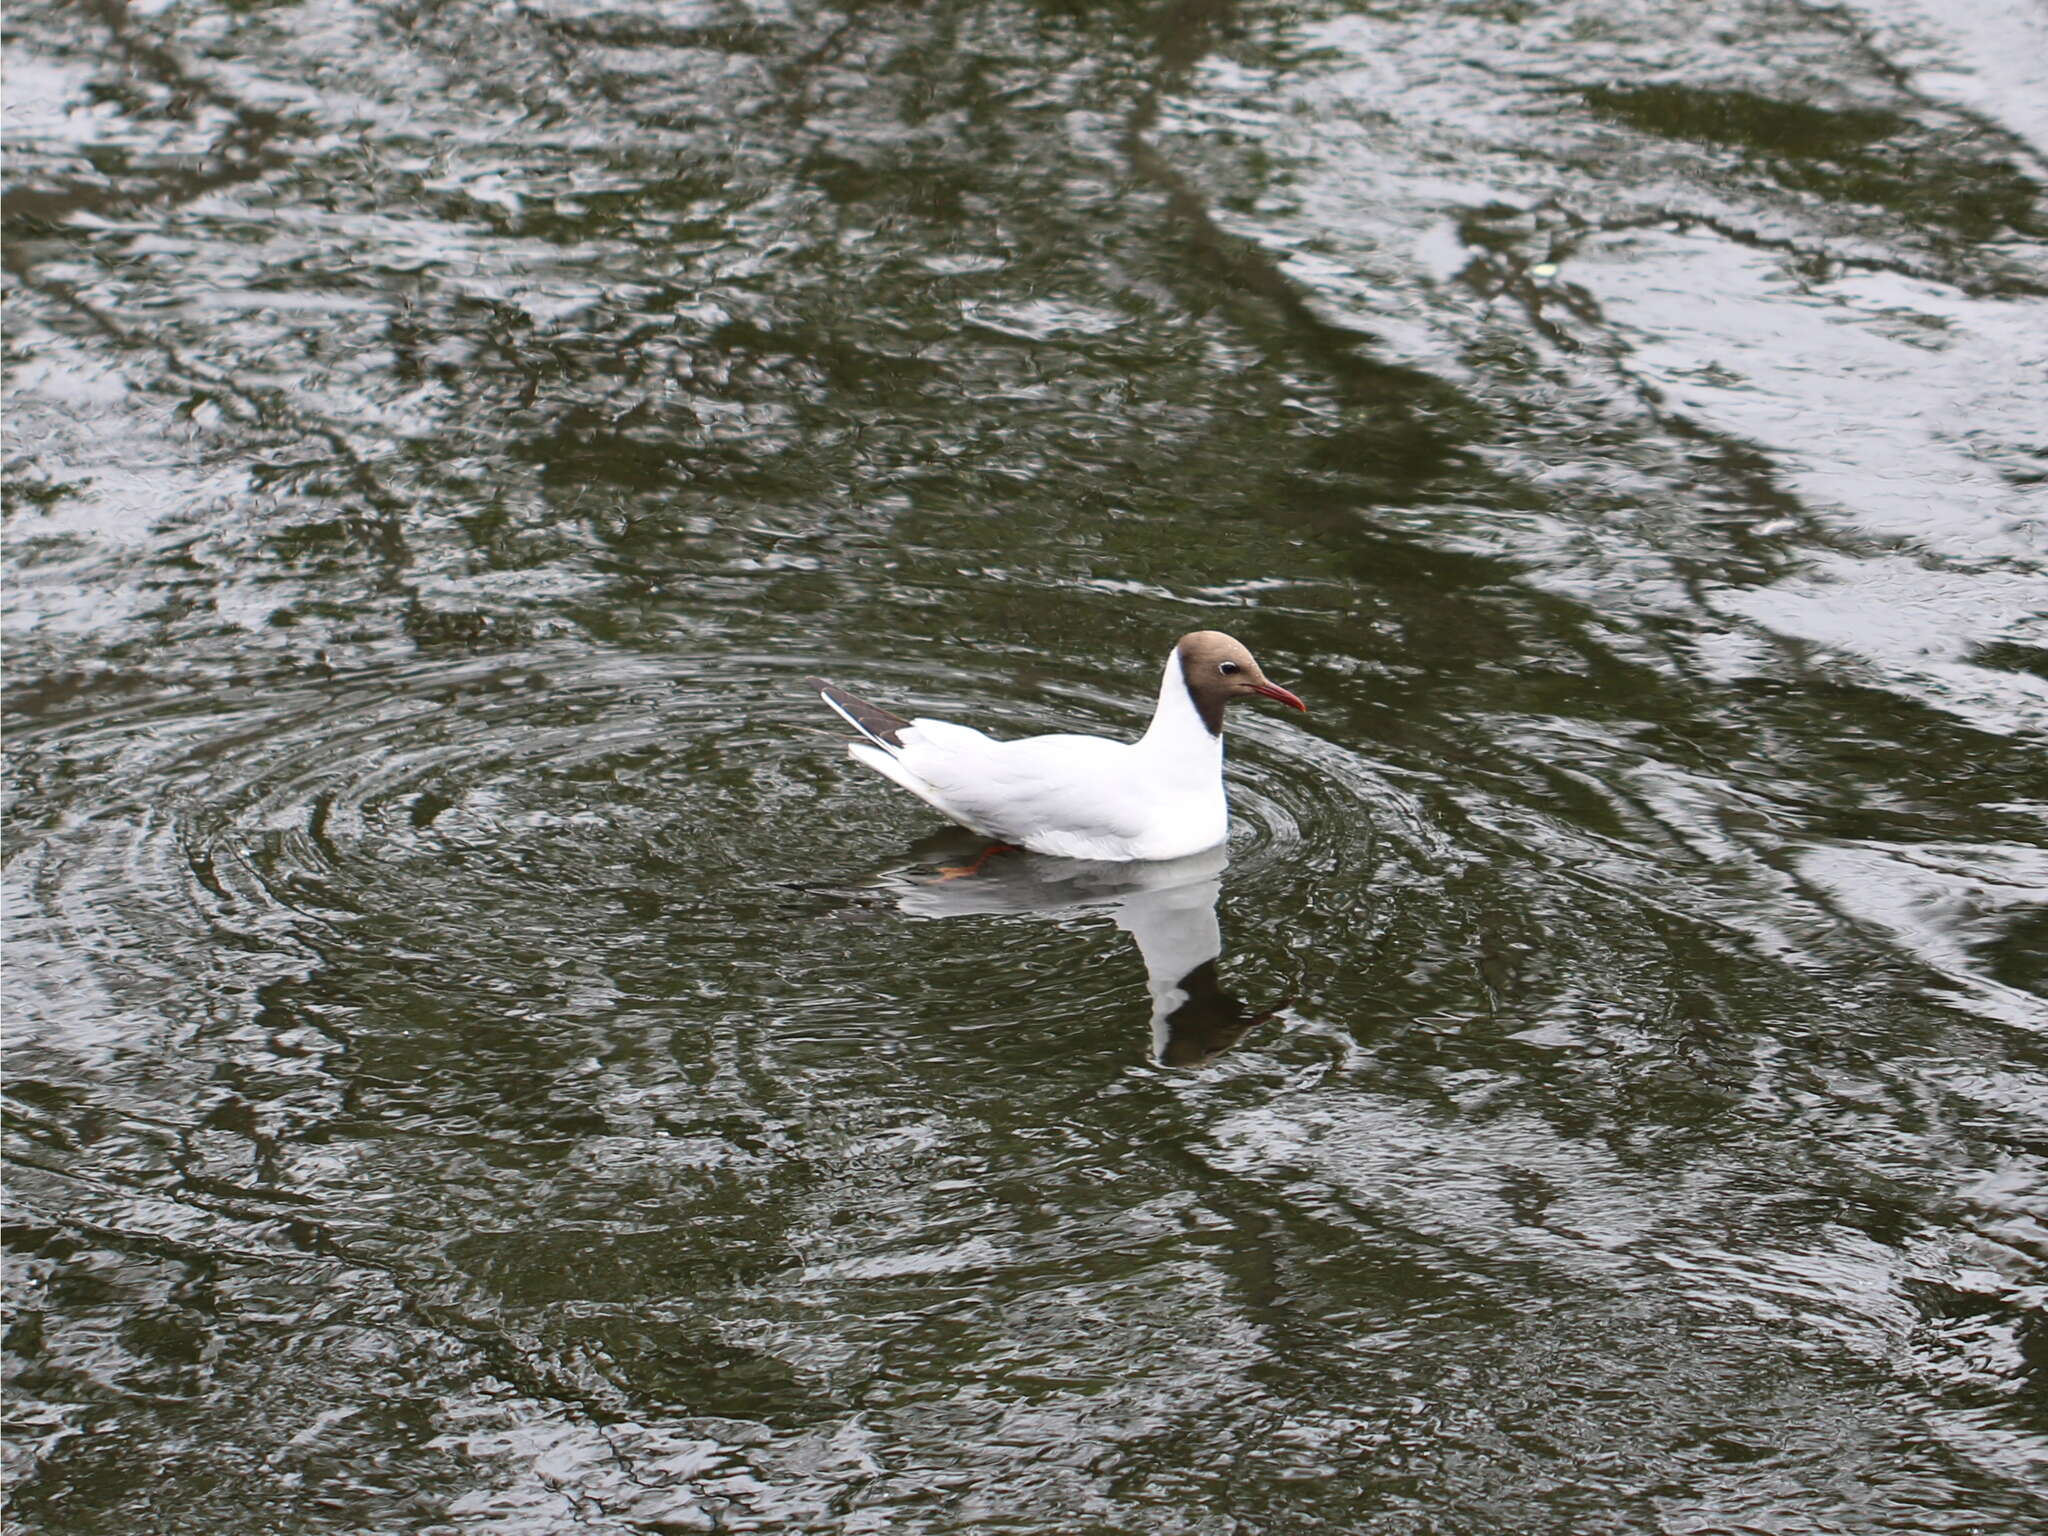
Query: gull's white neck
{"points": [[1177, 735]]}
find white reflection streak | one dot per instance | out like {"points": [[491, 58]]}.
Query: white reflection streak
{"points": [[1168, 908]]}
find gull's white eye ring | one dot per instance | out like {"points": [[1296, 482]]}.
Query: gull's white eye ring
{"points": [[1226, 667]]}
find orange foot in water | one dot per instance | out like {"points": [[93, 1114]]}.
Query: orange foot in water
{"points": [[960, 871]]}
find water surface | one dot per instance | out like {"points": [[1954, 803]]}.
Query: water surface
{"points": [[482, 1060]]}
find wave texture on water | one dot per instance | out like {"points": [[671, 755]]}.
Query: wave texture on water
{"points": [[481, 1059]]}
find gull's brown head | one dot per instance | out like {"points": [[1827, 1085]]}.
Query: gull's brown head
{"points": [[1219, 671]]}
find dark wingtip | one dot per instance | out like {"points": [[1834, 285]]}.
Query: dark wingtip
{"points": [[871, 719]]}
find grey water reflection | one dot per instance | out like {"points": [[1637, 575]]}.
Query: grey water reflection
{"points": [[1167, 907]]}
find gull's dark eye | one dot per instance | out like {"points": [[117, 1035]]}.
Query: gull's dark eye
{"points": [[1226, 667]]}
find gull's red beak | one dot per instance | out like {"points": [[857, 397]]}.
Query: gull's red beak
{"points": [[1275, 691]]}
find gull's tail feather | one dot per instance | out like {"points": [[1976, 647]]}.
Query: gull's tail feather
{"points": [[871, 720], [882, 746], [880, 759]]}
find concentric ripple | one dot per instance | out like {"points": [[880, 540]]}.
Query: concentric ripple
{"points": [[575, 829]]}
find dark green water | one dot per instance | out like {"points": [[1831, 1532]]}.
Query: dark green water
{"points": [[481, 1060]]}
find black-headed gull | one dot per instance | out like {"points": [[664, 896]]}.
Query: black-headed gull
{"points": [[1080, 797]]}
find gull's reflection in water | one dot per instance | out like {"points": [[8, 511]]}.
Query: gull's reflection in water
{"points": [[1168, 907]]}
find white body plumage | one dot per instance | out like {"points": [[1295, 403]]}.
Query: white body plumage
{"points": [[1080, 797]]}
